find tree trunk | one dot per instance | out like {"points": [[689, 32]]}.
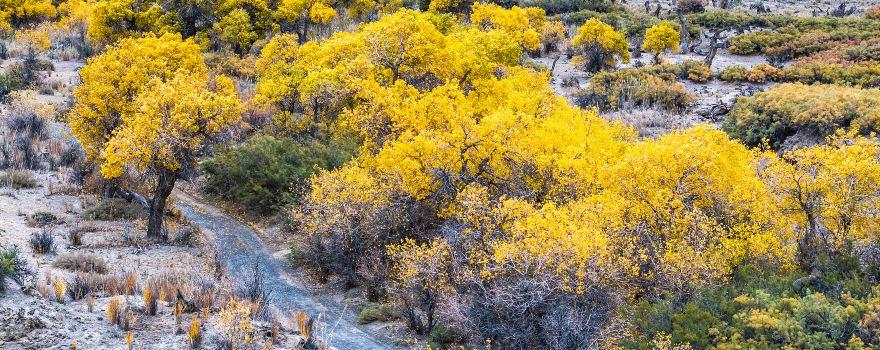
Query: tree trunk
{"points": [[553, 67], [713, 49], [164, 185], [685, 48]]}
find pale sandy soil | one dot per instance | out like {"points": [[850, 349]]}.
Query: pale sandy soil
{"points": [[777, 7], [29, 320]]}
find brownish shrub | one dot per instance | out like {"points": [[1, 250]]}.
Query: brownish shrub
{"points": [[83, 262]]}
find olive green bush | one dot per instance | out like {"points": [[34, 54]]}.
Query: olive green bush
{"points": [[784, 109], [266, 173]]}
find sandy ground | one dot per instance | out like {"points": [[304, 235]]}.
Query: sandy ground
{"points": [[777, 7], [29, 320]]}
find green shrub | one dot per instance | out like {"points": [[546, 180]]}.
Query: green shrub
{"points": [[12, 266], [42, 218], [110, 209], [295, 257], [377, 313], [695, 71], [779, 112], [762, 308], [266, 173], [566, 6], [442, 335]]}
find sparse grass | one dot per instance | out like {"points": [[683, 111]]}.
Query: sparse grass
{"points": [[195, 333], [42, 242], [18, 179], [377, 312], [150, 301], [60, 290], [113, 308], [304, 324], [81, 285], [130, 280], [255, 293], [113, 209], [83, 262]]}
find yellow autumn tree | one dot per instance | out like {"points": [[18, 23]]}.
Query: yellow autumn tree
{"points": [[830, 193], [303, 15], [520, 23], [235, 31], [120, 93], [174, 120], [112, 20], [311, 84], [661, 37], [17, 14], [599, 46]]}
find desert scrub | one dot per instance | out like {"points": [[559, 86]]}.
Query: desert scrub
{"points": [[42, 242], [763, 73], [18, 179], [109, 209], [83, 262], [779, 112], [42, 219], [759, 305], [377, 313], [13, 267], [636, 87], [266, 172], [734, 73]]}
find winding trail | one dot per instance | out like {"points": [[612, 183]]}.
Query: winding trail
{"points": [[240, 248]]}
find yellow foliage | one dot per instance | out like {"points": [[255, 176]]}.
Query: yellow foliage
{"points": [[172, 120], [312, 83], [23, 13], [517, 22], [234, 321], [830, 191], [321, 14], [33, 40], [599, 45], [112, 81], [661, 37]]}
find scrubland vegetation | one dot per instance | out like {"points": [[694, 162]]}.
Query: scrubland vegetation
{"points": [[459, 171]]}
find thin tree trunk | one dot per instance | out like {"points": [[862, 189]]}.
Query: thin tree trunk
{"points": [[164, 186], [713, 49], [685, 48]]}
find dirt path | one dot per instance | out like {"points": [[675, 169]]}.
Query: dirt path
{"points": [[240, 248]]}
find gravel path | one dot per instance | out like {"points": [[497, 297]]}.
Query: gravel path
{"points": [[240, 248]]}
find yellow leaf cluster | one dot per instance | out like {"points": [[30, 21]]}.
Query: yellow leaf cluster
{"points": [[599, 45], [148, 103], [661, 37], [520, 23]]}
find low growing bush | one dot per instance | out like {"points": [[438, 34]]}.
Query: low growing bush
{"points": [[765, 309], [18, 179], [83, 262], [109, 209], [779, 112], [377, 313], [13, 267], [266, 172], [42, 242], [637, 87]]}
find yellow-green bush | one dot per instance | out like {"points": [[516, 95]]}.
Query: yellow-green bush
{"points": [[779, 112], [635, 87]]}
